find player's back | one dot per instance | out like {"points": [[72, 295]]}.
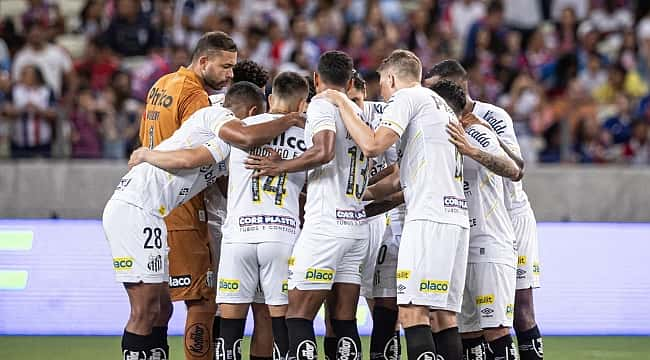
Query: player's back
{"points": [[171, 100], [516, 198], [335, 189], [430, 166], [158, 191], [492, 237], [264, 209]]}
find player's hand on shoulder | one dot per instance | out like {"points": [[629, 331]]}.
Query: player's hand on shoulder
{"points": [[298, 119], [138, 156], [470, 119], [270, 165], [333, 96], [458, 137]]}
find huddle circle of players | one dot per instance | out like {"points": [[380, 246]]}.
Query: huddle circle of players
{"points": [[415, 204]]}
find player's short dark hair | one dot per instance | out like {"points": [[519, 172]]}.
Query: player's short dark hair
{"points": [[335, 68], [453, 94], [494, 6], [246, 94], [447, 69], [404, 63], [212, 42], [291, 86], [312, 88], [249, 70], [357, 80]]}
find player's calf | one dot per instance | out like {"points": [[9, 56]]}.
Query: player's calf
{"points": [[303, 306], [529, 339], [499, 344], [474, 346], [446, 336], [419, 339], [231, 332], [384, 339], [329, 341]]}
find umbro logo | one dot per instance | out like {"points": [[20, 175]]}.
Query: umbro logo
{"points": [[487, 311]]}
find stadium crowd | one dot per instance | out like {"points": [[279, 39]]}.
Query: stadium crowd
{"points": [[573, 74]]}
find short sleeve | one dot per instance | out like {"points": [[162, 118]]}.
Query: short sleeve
{"points": [[397, 113], [217, 117], [321, 116], [218, 148]]}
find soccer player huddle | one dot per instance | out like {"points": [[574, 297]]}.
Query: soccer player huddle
{"points": [[415, 204]]}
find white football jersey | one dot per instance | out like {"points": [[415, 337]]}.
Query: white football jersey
{"points": [[264, 209], [431, 169], [516, 199], [158, 191], [335, 189], [215, 201], [491, 236]]}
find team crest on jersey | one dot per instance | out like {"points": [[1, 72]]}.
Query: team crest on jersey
{"points": [[155, 263]]}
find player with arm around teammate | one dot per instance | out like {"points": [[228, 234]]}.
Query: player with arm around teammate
{"points": [[133, 217]]}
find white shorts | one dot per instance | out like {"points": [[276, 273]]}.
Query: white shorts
{"points": [[378, 227], [318, 261], [489, 297], [248, 268], [138, 242], [431, 265], [384, 281], [528, 268]]}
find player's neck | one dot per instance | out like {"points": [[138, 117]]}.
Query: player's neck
{"points": [[280, 110], [469, 105], [406, 85]]}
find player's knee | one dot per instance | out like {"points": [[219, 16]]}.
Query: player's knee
{"points": [[145, 314], [411, 315], [202, 305]]}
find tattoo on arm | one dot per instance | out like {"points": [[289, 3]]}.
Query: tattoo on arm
{"points": [[499, 165], [516, 158]]}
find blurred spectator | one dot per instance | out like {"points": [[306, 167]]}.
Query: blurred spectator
{"points": [[611, 17], [53, 62], [257, 47], [493, 24], [299, 43], [85, 126], [619, 124], [93, 21], [523, 15], [5, 101], [593, 76], [130, 33], [591, 144], [120, 118], [97, 66], [462, 14], [567, 31], [33, 114], [637, 150], [580, 8], [620, 81], [47, 14]]}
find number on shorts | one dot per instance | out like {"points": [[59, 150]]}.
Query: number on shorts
{"points": [[353, 188], [381, 256], [154, 233]]}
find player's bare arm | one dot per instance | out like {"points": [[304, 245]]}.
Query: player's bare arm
{"points": [[243, 136], [471, 119], [393, 168], [320, 153], [384, 188], [172, 160], [500, 165], [390, 202], [372, 143]]}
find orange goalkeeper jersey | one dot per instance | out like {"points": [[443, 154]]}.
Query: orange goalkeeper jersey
{"points": [[171, 100]]}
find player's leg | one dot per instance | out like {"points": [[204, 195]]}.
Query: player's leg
{"points": [[529, 339], [274, 268], [469, 325], [159, 331], [214, 227], [384, 339], [191, 280], [138, 243], [346, 289], [311, 277], [329, 341], [262, 339], [444, 322], [238, 282], [495, 299]]}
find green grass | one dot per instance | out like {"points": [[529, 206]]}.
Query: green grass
{"points": [[107, 347]]}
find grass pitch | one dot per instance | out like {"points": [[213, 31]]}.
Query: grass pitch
{"points": [[107, 347]]}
